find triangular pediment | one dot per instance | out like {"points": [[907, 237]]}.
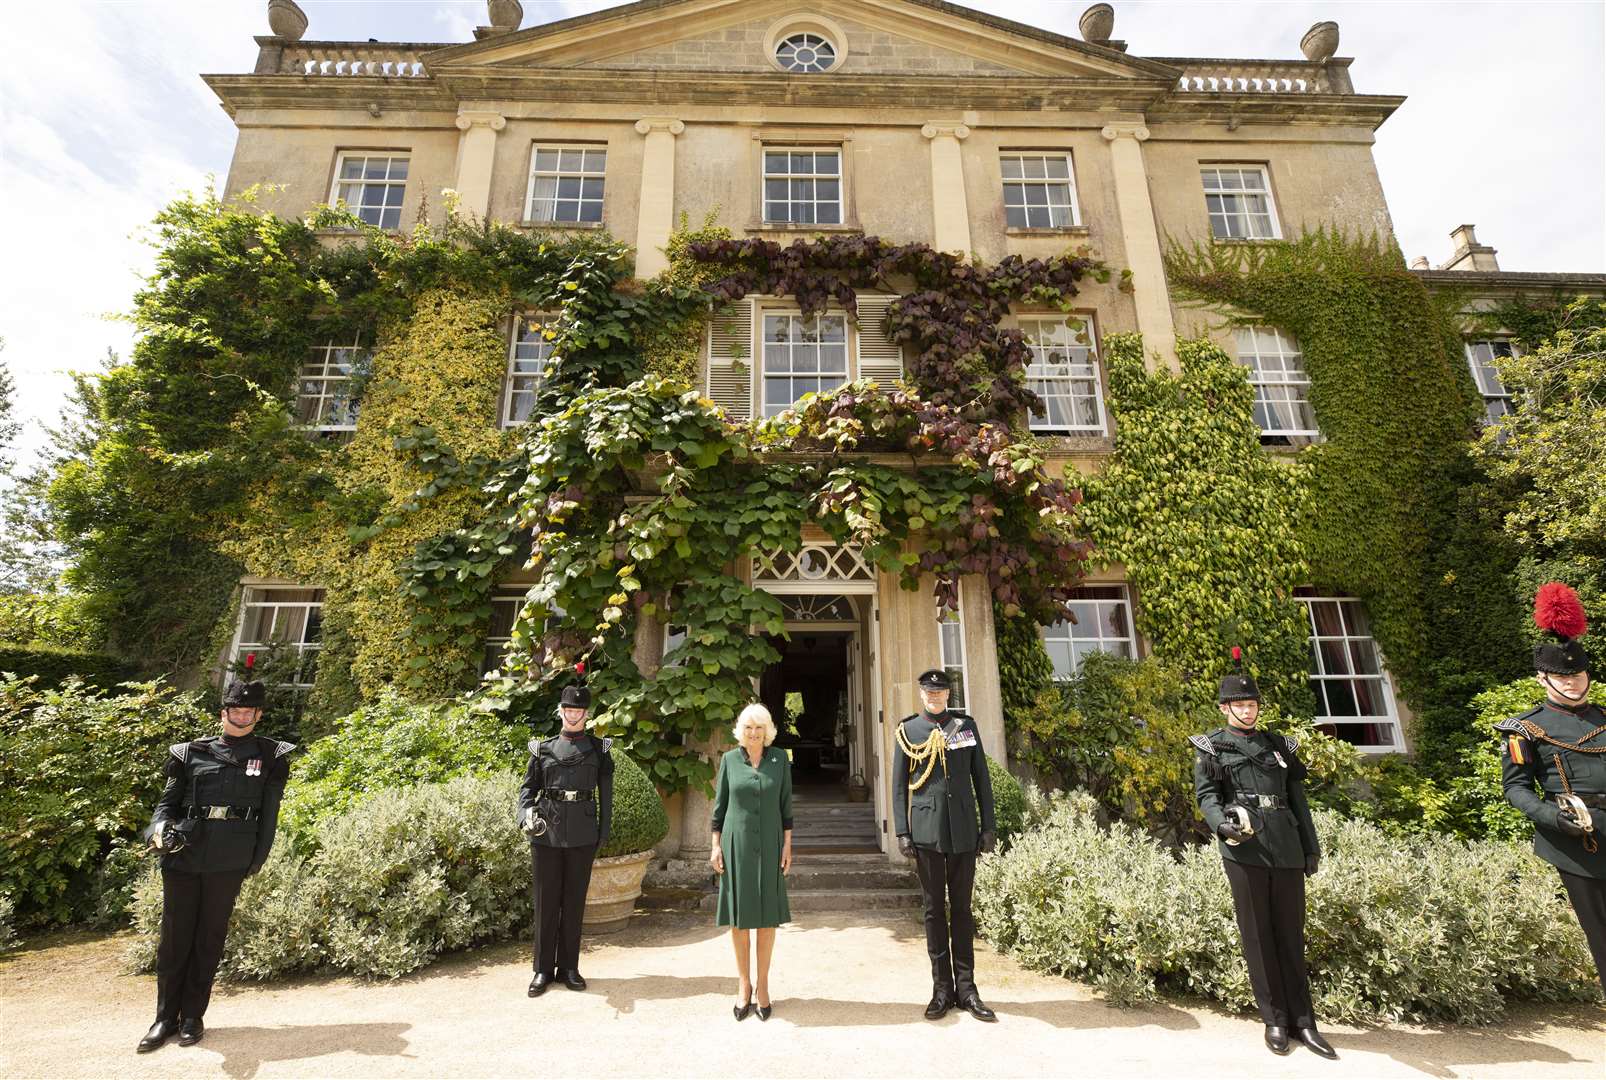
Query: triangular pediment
{"points": [[870, 37]]}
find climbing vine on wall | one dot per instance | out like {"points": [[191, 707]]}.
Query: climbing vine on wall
{"points": [[1396, 409]]}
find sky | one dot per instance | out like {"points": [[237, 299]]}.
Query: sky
{"points": [[103, 120]]}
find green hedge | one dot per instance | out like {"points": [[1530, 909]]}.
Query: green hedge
{"points": [[80, 772], [55, 664], [1426, 929], [639, 819], [1009, 803]]}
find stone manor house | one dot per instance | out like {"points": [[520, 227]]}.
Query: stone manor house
{"points": [[915, 120]]}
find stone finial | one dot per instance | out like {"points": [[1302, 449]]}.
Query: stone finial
{"points": [[286, 19], [506, 14], [1320, 42], [1097, 23], [1421, 263]]}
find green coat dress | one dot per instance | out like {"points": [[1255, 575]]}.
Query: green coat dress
{"points": [[752, 809]]}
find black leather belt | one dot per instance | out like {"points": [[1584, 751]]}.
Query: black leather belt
{"points": [[1262, 802], [223, 813], [567, 796]]}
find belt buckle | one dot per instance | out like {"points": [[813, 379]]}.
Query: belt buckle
{"points": [[1266, 802], [217, 813]]}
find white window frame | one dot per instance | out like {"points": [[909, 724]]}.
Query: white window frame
{"points": [[527, 359], [582, 172], [1484, 373], [257, 598], [951, 640], [317, 369], [1241, 213], [1064, 633], [1083, 367], [1024, 180], [762, 369], [1286, 375], [791, 178], [820, 40], [362, 183], [505, 594], [674, 637], [1389, 720]]}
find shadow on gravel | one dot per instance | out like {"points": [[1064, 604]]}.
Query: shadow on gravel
{"points": [[246, 1049], [1450, 1052]]}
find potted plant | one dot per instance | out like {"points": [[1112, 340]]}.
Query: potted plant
{"points": [[858, 790], [639, 823]]}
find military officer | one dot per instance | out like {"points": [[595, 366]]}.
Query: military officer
{"points": [[1251, 790], [940, 780], [566, 809], [1559, 748], [214, 825]]}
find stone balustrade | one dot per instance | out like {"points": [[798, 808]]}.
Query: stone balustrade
{"points": [[1261, 76], [395, 60]]}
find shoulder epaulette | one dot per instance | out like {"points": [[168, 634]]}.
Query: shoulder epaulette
{"points": [[181, 751], [1203, 744], [281, 748], [911, 716], [535, 746], [1513, 726], [1292, 743], [607, 744]]}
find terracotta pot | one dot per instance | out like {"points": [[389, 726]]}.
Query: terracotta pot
{"points": [[506, 14], [1097, 23], [1320, 42], [286, 19], [615, 886]]}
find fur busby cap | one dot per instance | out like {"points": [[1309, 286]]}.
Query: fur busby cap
{"points": [[1559, 612], [1235, 685], [576, 695], [935, 679], [245, 692]]}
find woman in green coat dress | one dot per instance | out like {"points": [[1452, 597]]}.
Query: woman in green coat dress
{"points": [[751, 849]]}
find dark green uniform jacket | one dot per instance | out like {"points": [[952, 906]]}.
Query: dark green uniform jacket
{"points": [[248, 774], [1254, 770], [942, 814], [1527, 762], [582, 766]]}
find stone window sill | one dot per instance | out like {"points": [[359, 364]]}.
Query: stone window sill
{"points": [[1064, 444], [1062, 230], [562, 226], [788, 227], [1244, 241], [348, 233]]}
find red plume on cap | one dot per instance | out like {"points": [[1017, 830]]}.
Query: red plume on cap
{"points": [[580, 667], [1237, 653], [1558, 609], [250, 660]]}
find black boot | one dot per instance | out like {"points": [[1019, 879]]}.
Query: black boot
{"points": [[159, 1033], [971, 1003], [572, 979], [942, 999], [190, 1031], [539, 984], [1318, 1045], [1277, 1039]]}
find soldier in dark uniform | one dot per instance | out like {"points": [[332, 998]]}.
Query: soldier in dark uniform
{"points": [[566, 809], [1560, 749], [1251, 790], [940, 780], [214, 825]]}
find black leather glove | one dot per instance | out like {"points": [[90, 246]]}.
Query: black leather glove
{"points": [[1229, 831], [987, 842], [1313, 863], [906, 847], [1567, 825]]}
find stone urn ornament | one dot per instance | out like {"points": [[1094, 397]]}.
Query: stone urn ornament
{"points": [[1320, 42], [286, 19], [1097, 23], [506, 14]]}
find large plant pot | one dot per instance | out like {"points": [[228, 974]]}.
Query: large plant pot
{"points": [[615, 885]]}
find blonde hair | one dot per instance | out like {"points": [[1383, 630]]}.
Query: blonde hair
{"points": [[755, 711]]}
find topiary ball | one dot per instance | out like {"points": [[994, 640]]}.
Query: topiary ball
{"points": [[1009, 803], [639, 821]]}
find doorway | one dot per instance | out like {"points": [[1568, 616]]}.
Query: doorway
{"points": [[809, 694]]}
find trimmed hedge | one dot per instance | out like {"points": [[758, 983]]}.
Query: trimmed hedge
{"points": [[55, 664], [1009, 803], [639, 819], [1425, 929]]}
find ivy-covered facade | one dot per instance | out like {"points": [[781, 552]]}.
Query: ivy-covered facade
{"points": [[538, 392]]}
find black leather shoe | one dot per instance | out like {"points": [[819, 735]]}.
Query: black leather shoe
{"points": [[972, 1004], [941, 1002], [539, 984], [159, 1033], [741, 1011], [1277, 1039], [190, 1031], [572, 980], [1318, 1045], [764, 1011]]}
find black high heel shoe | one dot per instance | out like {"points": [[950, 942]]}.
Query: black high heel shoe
{"points": [[741, 1011], [764, 1011]]}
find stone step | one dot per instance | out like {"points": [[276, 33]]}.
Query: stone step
{"points": [[829, 877]]}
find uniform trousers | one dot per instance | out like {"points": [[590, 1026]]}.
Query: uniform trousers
{"points": [[1589, 903], [1271, 920], [195, 921], [559, 878], [946, 883]]}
